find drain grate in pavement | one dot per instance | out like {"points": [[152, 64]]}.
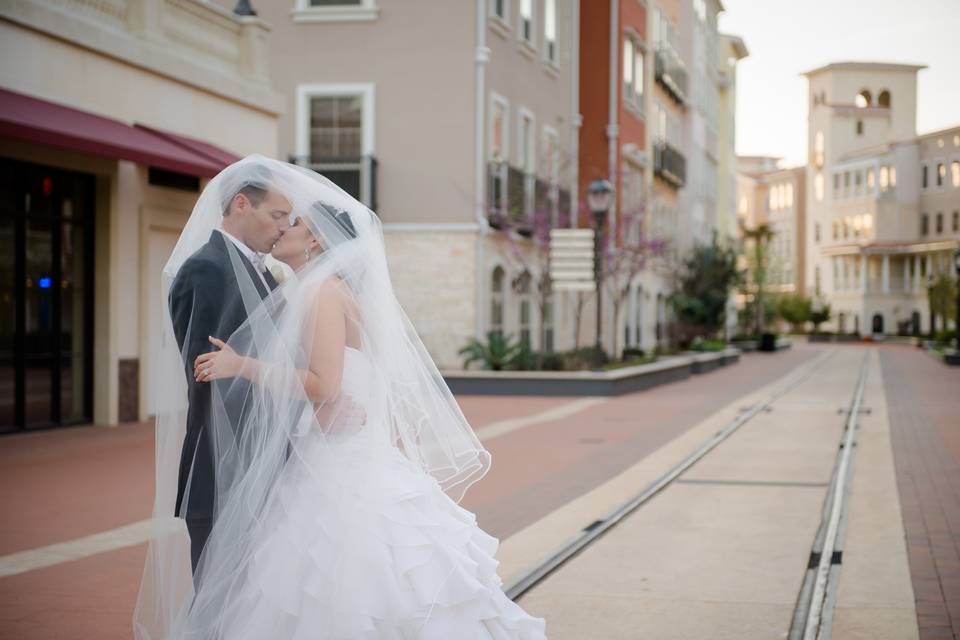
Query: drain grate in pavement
{"points": [[759, 483]]}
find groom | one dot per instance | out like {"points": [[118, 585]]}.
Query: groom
{"points": [[206, 300]]}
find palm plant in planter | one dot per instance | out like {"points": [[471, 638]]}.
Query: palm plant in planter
{"points": [[499, 352]]}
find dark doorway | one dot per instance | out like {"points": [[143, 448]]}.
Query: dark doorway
{"points": [[46, 296], [877, 323], [915, 323]]}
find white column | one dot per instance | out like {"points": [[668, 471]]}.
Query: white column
{"points": [[916, 273], [929, 267], [886, 274], [863, 273]]}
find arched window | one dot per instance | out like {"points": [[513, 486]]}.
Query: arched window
{"points": [[523, 289], [883, 100], [863, 99], [496, 300], [638, 316]]}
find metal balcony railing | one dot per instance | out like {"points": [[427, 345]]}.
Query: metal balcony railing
{"points": [[669, 164], [671, 73], [521, 199]]}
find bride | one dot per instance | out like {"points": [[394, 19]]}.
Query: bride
{"points": [[340, 455]]}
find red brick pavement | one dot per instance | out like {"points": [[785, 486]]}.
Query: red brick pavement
{"points": [[923, 398], [75, 482]]}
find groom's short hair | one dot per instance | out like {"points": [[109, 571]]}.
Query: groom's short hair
{"points": [[252, 179]]}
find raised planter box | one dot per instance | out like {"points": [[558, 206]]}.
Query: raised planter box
{"points": [[745, 345], [587, 383], [826, 337]]}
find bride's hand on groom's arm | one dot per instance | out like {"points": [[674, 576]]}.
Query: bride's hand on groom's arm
{"points": [[225, 363]]}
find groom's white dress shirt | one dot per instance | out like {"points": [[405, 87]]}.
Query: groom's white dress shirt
{"points": [[255, 257]]}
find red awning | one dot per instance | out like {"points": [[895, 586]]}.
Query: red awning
{"points": [[33, 120], [205, 149]]}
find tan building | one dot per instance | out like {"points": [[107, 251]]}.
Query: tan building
{"points": [[732, 50], [113, 115], [441, 117], [880, 199]]}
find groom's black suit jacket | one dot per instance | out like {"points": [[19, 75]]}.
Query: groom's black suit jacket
{"points": [[205, 301]]}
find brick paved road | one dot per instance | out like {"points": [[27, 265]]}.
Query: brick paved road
{"points": [[77, 482], [924, 406]]}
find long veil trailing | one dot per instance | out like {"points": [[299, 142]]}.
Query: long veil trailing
{"points": [[250, 432]]}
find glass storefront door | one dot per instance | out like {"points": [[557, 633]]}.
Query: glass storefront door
{"points": [[46, 296]]}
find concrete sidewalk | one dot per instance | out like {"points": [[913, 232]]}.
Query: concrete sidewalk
{"points": [[722, 552]]}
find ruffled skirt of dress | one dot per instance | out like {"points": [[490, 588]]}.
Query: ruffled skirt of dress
{"points": [[361, 544]]}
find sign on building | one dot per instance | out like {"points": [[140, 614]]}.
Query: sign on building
{"points": [[571, 260]]}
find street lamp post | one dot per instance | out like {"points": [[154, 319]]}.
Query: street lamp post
{"points": [[599, 198], [933, 318]]}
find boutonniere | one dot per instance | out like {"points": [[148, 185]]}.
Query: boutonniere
{"points": [[278, 273]]}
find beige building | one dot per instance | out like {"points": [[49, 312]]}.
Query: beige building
{"points": [[881, 200], [440, 117], [113, 115], [732, 50]]}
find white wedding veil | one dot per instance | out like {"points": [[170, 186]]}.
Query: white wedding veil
{"points": [[221, 446]]}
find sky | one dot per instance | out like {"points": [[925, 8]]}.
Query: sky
{"points": [[788, 37]]}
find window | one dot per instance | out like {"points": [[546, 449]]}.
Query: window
{"points": [[859, 127], [526, 21], [334, 10], [816, 232], [496, 300], [526, 141], [955, 173], [836, 185], [884, 178], [883, 100], [632, 73], [498, 8], [923, 180], [523, 289], [836, 230], [862, 100], [893, 177], [956, 221], [818, 149], [924, 224], [499, 128], [550, 30], [941, 173], [334, 135], [846, 182], [940, 223], [818, 187], [789, 199], [870, 179]]}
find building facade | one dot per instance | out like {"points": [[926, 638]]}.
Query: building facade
{"points": [[113, 116], [880, 198], [460, 144]]}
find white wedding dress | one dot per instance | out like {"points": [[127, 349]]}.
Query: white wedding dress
{"points": [[360, 543]]}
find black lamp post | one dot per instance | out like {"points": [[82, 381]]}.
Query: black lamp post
{"points": [[599, 199], [933, 318]]}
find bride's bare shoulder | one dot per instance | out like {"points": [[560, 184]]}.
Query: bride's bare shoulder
{"points": [[333, 290]]}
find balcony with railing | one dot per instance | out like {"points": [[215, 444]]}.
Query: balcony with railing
{"points": [[671, 73], [669, 164], [519, 200], [357, 175]]}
